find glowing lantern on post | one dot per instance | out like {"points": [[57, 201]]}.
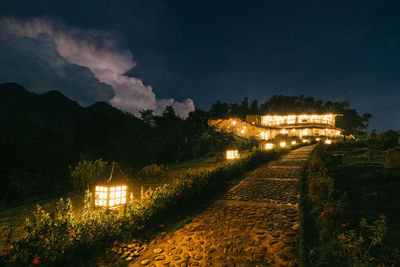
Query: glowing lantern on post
{"points": [[113, 192], [305, 140], [317, 139], [269, 146], [232, 154], [293, 142], [328, 141], [282, 144]]}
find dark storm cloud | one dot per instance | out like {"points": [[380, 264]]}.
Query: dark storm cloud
{"points": [[103, 61], [37, 64]]}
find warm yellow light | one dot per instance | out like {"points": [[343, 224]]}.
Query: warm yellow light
{"points": [[328, 142], [270, 120], [293, 142], [282, 144], [110, 196], [317, 139], [242, 131], [232, 154], [305, 140], [269, 146], [234, 122]]}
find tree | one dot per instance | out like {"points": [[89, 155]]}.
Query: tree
{"points": [[219, 110], [84, 174], [254, 108], [374, 144], [147, 117], [244, 108], [351, 122], [391, 138]]}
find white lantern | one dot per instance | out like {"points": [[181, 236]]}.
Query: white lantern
{"points": [[232, 154], [113, 192], [269, 146]]}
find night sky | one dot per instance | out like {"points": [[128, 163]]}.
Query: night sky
{"points": [[149, 54]]}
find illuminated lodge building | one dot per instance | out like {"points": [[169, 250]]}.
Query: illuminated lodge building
{"points": [[268, 127]]}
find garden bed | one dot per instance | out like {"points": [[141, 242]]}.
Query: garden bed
{"points": [[349, 211], [62, 237]]}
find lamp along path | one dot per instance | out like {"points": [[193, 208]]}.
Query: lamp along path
{"points": [[254, 224]]}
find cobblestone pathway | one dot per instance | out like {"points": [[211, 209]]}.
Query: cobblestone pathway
{"points": [[255, 224]]}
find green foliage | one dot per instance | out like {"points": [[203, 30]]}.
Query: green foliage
{"points": [[374, 145], [355, 248], [248, 143], [60, 237], [43, 140], [328, 237], [391, 138], [85, 173], [51, 238]]}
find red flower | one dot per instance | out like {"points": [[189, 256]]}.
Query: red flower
{"points": [[72, 232], [36, 260], [177, 194], [39, 208], [41, 236], [344, 225], [115, 243], [91, 235]]}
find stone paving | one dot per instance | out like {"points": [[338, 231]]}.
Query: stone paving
{"points": [[254, 224]]}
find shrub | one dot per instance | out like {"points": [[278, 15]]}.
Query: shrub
{"points": [[60, 237], [326, 239], [84, 174], [391, 138], [355, 248]]}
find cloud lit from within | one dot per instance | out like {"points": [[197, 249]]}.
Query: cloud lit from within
{"points": [[98, 51]]}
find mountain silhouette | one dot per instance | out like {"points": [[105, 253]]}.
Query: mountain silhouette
{"points": [[55, 109]]}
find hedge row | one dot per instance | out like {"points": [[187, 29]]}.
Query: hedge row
{"points": [[60, 237]]}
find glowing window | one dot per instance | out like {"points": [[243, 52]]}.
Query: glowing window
{"points": [[269, 146], [232, 154], [110, 197]]}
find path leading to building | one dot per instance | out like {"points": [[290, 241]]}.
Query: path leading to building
{"points": [[255, 224]]}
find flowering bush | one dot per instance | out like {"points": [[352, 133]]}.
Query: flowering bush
{"points": [[334, 242], [51, 238]]}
